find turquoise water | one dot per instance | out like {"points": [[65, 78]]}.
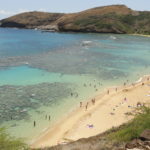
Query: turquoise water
{"points": [[24, 75], [14, 42], [39, 72]]}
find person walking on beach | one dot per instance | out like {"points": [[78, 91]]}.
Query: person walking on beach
{"points": [[124, 84], [108, 92], [49, 118], [116, 89], [125, 99], [80, 104], [93, 101], [86, 107]]}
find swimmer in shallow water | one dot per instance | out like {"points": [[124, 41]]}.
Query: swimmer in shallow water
{"points": [[34, 123]]}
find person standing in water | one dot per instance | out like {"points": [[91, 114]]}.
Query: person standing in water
{"points": [[49, 118], [34, 123]]}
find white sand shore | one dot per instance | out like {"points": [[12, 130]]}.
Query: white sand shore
{"points": [[108, 111]]}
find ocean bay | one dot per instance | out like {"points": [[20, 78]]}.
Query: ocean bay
{"points": [[60, 64]]}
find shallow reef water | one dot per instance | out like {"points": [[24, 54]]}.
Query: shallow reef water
{"points": [[16, 101]]}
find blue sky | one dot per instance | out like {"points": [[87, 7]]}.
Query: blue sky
{"points": [[11, 7]]}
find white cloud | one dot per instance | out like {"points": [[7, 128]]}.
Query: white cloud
{"points": [[42, 9], [22, 10], [4, 12]]}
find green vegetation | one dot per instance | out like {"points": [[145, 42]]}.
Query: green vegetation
{"points": [[10, 143], [134, 128], [117, 23]]}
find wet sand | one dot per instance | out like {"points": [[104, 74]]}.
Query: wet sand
{"points": [[109, 110]]}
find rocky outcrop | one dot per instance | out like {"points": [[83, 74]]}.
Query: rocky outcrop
{"points": [[145, 136], [138, 144], [142, 143]]}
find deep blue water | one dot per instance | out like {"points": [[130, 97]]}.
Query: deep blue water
{"points": [[15, 42]]}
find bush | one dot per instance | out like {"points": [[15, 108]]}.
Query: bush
{"points": [[134, 128], [9, 143]]}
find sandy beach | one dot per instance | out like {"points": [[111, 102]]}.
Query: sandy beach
{"points": [[106, 110]]}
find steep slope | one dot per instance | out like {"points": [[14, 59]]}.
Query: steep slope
{"points": [[109, 19]]}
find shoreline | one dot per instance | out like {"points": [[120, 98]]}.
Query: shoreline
{"points": [[143, 35], [67, 129], [49, 31]]}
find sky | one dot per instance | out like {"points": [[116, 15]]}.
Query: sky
{"points": [[11, 7]]}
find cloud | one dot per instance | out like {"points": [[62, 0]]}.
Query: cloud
{"points": [[4, 12], [42, 9]]}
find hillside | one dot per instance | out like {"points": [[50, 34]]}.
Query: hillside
{"points": [[108, 19], [30, 19]]}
